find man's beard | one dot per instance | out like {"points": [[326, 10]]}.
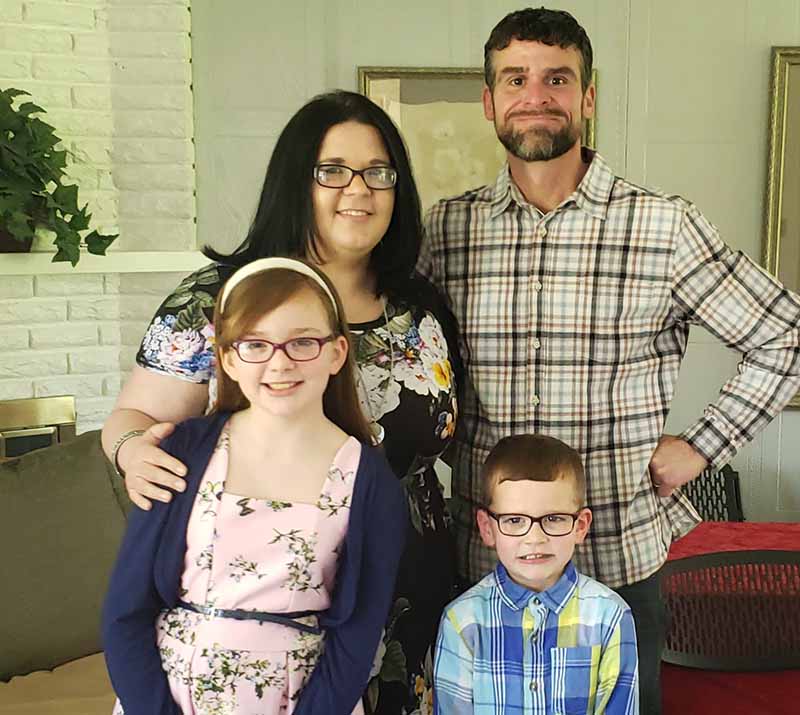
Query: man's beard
{"points": [[538, 143]]}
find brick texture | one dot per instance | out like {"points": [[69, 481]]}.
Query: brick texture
{"points": [[115, 79]]}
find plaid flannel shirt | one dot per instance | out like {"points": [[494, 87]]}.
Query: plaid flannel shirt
{"points": [[574, 324], [505, 650]]}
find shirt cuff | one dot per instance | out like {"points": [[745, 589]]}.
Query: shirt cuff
{"points": [[710, 442]]}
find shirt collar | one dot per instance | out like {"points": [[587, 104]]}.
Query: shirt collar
{"points": [[592, 194], [554, 598], [504, 192]]}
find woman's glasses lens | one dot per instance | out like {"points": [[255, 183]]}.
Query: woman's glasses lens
{"points": [[338, 176]]}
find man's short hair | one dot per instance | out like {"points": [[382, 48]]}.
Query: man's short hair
{"points": [[535, 458], [550, 27]]}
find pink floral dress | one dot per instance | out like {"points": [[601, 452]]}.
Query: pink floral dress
{"points": [[259, 555]]}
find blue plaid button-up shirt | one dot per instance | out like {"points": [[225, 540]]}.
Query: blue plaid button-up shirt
{"points": [[505, 650]]}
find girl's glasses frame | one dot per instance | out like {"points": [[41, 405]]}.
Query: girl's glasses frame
{"points": [[302, 349]]}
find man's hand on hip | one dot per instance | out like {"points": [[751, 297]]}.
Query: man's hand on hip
{"points": [[674, 463]]}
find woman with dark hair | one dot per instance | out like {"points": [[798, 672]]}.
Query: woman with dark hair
{"points": [[339, 192]]}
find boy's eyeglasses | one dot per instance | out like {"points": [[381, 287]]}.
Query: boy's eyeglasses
{"points": [[339, 176], [521, 524], [297, 349]]}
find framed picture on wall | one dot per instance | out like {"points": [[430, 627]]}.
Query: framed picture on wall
{"points": [[781, 251], [440, 114]]}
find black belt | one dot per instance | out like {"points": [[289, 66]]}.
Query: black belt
{"points": [[238, 614]]}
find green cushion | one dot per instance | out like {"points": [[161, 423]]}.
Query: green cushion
{"points": [[62, 516]]}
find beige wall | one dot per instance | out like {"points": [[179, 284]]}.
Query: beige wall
{"points": [[682, 106]]}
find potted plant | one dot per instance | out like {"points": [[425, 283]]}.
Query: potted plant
{"points": [[32, 192]]}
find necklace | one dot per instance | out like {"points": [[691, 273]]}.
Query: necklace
{"points": [[378, 433]]}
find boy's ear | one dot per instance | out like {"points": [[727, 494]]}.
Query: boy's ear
{"points": [[485, 528], [582, 524]]}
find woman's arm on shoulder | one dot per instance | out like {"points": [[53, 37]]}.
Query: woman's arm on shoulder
{"points": [[169, 384], [153, 403], [341, 675]]}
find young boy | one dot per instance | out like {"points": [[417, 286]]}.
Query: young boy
{"points": [[535, 636]]}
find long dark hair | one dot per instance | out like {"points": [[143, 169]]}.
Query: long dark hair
{"points": [[260, 294], [284, 220]]}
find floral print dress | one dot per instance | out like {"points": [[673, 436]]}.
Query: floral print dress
{"points": [[257, 555], [406, 362]]}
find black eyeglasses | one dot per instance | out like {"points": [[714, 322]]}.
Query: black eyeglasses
{"points": [[339, 176], [297, 349], [520, 524]]}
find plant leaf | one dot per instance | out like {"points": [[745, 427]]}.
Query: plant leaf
{"points": [[19, 226], [10, 203], [80, 220], [12, 92], [97, 243], [66, 198], [68, 248], [28, 108]]}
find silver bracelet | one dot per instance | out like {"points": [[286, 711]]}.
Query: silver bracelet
{"points": [[130, 434]]}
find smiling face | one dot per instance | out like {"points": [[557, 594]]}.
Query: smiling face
{"points": [[537, 103], [536, 560], [351, 221], [282, 386]]}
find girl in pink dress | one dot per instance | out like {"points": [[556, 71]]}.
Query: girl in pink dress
{"points": [[263, 589]]}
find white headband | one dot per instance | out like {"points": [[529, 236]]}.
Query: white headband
{"points": [[267, 264]]}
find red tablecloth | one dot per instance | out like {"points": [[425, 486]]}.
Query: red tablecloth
{"points": [[689, 691], [713, 536]]}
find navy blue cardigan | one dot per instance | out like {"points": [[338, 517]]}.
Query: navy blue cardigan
{"points": [[147, 576]]}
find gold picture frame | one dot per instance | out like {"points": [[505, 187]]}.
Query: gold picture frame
{"points": [[781, 244], [439, 112]]}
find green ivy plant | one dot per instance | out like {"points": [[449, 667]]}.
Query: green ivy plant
{"points": [[32, 192]]}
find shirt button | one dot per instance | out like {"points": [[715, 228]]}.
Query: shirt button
{"points": [[534, 685], [537, 285], [536, 344], [536, 601], [542, 232], [535, 401]]}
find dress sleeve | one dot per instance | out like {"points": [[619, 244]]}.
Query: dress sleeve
{"points": [[618, 671], [749, 311], [129, 617], [340, 676], [179, 341]]}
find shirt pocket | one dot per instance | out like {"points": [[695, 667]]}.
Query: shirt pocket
{"points": [[574, 679]]}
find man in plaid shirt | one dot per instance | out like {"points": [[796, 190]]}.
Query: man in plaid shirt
{"points": [[574, 290]]}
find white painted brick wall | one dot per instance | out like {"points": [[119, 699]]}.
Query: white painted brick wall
{"points": [[14, 338], [115, 79]]}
